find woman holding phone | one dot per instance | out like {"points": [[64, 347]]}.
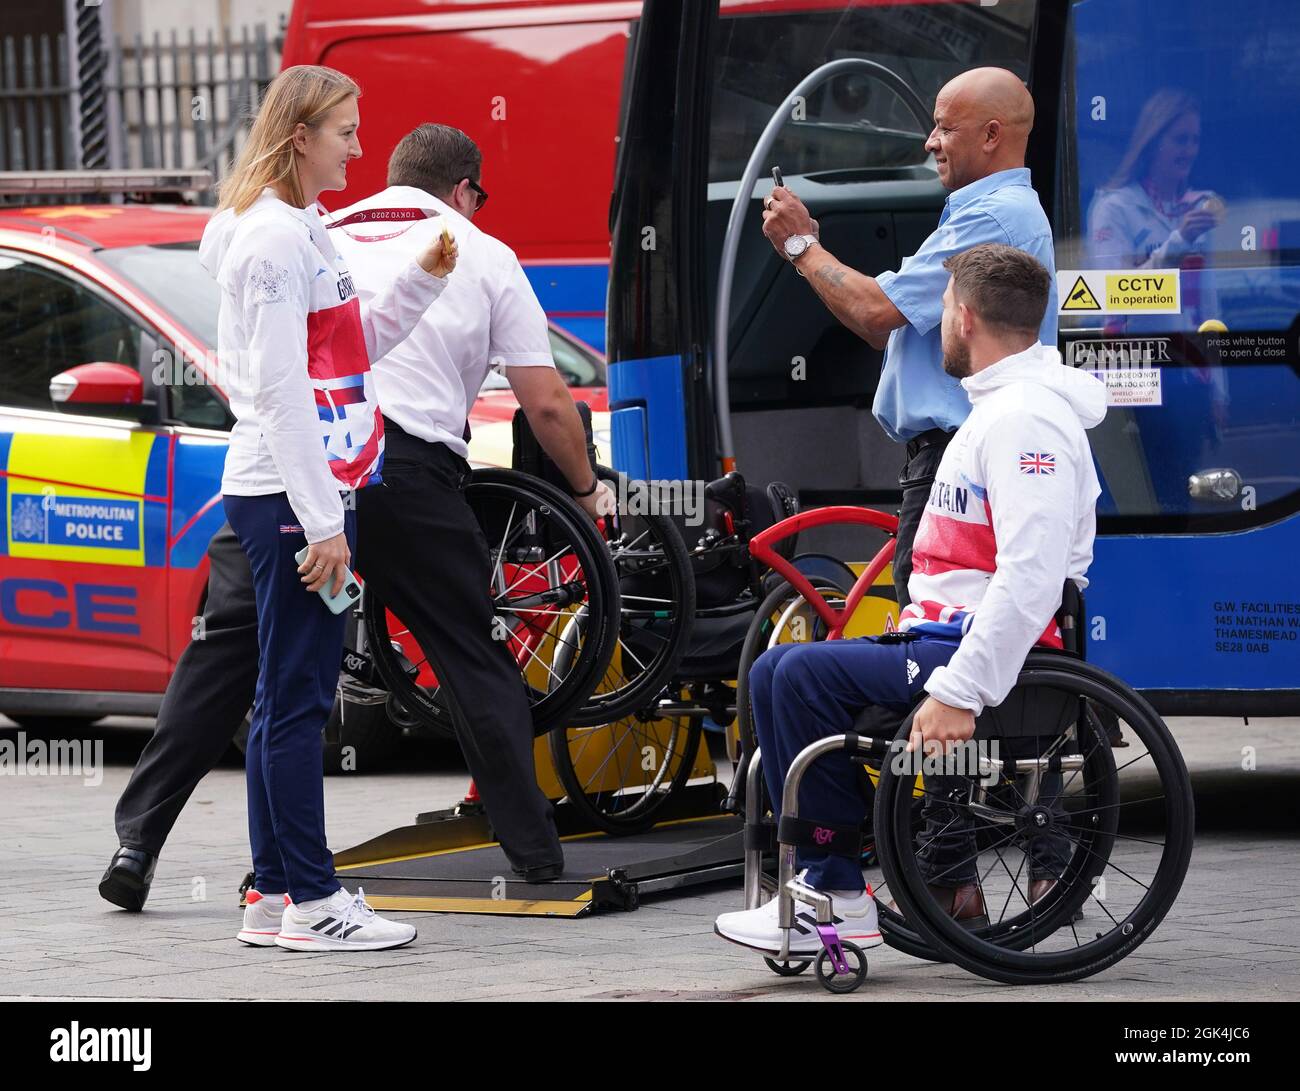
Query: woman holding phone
{"points": [[295, 345]]}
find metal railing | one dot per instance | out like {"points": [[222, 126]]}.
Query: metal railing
{"points": [[179, 103], [37, 114]]}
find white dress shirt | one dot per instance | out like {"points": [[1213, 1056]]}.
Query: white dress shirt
{"points": [[487, 316]]}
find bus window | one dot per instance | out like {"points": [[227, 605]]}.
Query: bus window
{"points": [[1170, 170], [854, 152], [851, 123]]}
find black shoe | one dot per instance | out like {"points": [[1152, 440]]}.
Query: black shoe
{"points": [[540, 873], [126, 882]]}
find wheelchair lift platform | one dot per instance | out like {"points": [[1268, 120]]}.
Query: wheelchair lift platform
{"points": [[448, 862]]}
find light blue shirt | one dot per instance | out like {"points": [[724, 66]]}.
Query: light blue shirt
{"points": [[915, 393]]}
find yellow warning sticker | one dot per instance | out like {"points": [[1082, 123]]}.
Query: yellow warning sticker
{"points": [[1080, 298], [1119, 291]]}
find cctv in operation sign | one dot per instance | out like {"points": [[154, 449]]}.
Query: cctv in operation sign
{"points": [[1118, 291]]}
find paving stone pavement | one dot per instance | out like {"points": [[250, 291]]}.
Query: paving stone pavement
{"points": [[1233, 934]]}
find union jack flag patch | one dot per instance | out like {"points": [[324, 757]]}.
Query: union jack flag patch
{"points": [[1037, 462]]}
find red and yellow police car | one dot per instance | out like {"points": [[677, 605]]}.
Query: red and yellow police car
{"points": [[112, 440]]}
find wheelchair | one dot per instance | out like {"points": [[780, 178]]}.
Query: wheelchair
{"points": [[1039, 791], [625, 639], [689, 594], [549, 565]]}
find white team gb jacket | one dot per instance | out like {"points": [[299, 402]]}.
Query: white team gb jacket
{"points": [[1011, 514], [294, 349]]}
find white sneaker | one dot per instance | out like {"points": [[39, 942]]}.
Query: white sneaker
{"points": [[853, 914], [344, 922], [262, 915]]}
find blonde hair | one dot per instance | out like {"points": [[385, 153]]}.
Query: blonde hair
{"points": [[305, 93], [1160, 111]]}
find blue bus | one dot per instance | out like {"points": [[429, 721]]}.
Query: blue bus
{"points": [[1162, 153]]}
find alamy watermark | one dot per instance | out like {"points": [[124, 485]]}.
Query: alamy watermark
{"points": [[975, 759], [24, 757], [681, 499]]}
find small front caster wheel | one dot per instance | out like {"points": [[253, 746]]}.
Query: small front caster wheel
{"points": [[843, 983], [786, 969]]}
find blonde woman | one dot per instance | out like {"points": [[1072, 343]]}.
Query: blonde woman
{"points": [[296, 347]]}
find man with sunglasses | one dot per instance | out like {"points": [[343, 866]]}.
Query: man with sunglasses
{"points": [[419, 544]]}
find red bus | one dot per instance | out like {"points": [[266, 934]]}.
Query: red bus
{"points": [[537, 84]]}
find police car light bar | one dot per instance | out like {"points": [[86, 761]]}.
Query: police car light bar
{"points": [[42, 182]]}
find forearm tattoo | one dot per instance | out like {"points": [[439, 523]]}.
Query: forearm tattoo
{"points": [[832, 274]]}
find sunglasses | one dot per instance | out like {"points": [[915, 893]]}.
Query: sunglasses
{"points": [[479, 191]]}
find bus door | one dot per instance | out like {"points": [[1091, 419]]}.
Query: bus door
{"points": [[801, 385], [1177, 224]]}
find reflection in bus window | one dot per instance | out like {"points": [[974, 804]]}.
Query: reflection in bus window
{"points": [[1148, 216], [1162, 169]]}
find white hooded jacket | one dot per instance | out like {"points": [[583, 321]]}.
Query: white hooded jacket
{"points": [[294, 346], [1011, 515]]}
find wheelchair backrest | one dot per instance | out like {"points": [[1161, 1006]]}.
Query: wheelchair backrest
{"points": [[732, 506]]}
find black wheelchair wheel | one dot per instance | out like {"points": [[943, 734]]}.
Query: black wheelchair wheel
{"points": [[787, 969], [1111, 839], [620, 776], [834, 982], [657, 606], [549, 563]]}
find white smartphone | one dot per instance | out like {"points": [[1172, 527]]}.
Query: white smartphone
{"points": [[348, 594]]}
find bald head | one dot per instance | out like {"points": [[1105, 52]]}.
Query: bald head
{"points": [[982, 120]]}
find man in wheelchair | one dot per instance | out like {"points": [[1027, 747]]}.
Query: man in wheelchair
{"points": [[1010, 517]]}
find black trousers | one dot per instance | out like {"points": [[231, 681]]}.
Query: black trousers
{"points": [[207, 698], [421, 548], [923, 455], [420, 545]]}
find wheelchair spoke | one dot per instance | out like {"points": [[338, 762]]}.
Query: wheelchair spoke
{"points": [[498, 574], [1015, 885], [1112, 864], [534, 570], [951, 822], [613, 751], [951, 867], [1121, 803], [1117, 835], [534, 657]]}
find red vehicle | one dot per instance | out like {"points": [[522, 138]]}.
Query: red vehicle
{"points": [[112, 442], [535, 83]]}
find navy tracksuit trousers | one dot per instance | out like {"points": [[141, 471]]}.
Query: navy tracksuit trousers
{"points": [[300, 643], [805, 692]]}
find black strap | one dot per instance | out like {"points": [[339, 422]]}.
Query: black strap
{"points": [[806, 834], [761, 837]]}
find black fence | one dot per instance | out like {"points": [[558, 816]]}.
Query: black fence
{"points": [[37, 110], [179, 102]]}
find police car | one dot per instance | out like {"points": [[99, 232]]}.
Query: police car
{"points": [[112, 441]]}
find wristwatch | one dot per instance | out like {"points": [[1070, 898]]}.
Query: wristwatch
{"points": [[797, 244]]}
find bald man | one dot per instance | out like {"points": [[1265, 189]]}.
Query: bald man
{"points": [[982, 120]]}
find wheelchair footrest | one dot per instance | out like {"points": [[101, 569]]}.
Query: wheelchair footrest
{"points": [[806, 834]]}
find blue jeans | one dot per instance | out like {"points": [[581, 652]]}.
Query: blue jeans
{"points": [[805, 692], [301, 644]]}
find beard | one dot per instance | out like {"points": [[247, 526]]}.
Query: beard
{"points": [[956, 359]]}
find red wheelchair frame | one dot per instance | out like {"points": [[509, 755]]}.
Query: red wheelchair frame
{"points": [[762, 549]]}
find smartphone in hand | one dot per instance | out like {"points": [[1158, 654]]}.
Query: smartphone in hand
{"points": [[348, 594]]}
